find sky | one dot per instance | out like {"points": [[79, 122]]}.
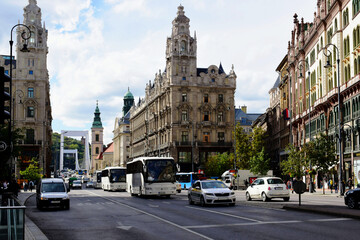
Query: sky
{"points": [[100, 48]]}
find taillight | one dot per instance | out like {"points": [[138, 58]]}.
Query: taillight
{"points": [[269, 188]]}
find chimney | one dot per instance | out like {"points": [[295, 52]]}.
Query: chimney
{"points": [[243, 108]]}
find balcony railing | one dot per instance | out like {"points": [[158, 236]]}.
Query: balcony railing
{"points": [[12, 219]]}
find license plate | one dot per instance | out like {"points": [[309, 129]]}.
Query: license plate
{"points": [[55, 201], [161, 192], [278, 188]]}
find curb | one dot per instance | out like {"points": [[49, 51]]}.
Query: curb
{"points": [[32, 232], [327, 210]]}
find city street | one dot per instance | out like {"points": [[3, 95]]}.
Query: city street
{"points": [[95, 214]]}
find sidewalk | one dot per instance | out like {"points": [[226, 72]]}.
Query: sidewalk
{"points": [[328, 209], [32, 232]]}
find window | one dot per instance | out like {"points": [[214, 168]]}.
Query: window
{"points": [[221, 137], [184, 116], [30, 136], [220, 117], [30, 112], [97, 137], [312, 57], [184, 97], [206, 137], [30, 92], [355, 7], [97, 150], [184, 136], [213, 80], [184, 78], [7, 72], [221, 98], [346, 17], [31, 72], [183, 46], [206, 116], [206, 98]]}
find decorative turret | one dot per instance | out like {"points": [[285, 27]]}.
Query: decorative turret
{"points": [[97, 120], [128, 102]]}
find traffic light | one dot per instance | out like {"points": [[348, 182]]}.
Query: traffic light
{"points": [[4, 96]]}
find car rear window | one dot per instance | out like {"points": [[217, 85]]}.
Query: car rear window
{"points": [[274, 181]]}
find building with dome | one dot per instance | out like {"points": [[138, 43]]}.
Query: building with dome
{"points": [[187, 112], [121, 140]]}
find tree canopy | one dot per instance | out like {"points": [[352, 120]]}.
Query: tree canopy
{"points": [[32, 172]]}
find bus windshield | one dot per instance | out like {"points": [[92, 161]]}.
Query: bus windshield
{"points": [[183, 178], [160, 171], [117, 175]]}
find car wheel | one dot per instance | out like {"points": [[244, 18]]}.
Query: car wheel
{"points": [[190, 200], [286, 199], [232, 204], [352, 204], [39, 205], [202, 201], [179, 191], [248, 198], [264, 197]]}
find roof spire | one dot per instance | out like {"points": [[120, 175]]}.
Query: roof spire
{"points": [[97, 120]]}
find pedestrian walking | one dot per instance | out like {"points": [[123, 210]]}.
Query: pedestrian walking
{"points": [[349, 183], [331, 185], [336, 186], [31, 185]]}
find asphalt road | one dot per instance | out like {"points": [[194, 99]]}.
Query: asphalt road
{"points": [[95, 214]]}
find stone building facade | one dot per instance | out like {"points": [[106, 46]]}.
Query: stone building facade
{"points": [[122, 134], [31, 106], [336, 22], [187, 112]]}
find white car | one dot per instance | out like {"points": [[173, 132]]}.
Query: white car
{"points": [[210, 192], [267, 188]]}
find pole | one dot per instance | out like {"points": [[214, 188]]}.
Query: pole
{"points": [[339, 124], [311, 185], [192, 147]]}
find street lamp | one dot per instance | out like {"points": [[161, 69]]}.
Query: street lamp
{"points": [[24, 49], [20, 94], [327, 53], [300, 66]]}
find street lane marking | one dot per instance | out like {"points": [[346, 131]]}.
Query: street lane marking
{"points": [[225, 214], [154, 216], [264, 223]]}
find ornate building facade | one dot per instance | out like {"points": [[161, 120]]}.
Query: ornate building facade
{"points": [[121, 132], [31, 107], [187, 112], [334, 32]]}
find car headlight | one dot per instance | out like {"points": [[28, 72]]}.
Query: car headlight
{"points": [[43, 198], [65, 198], [209, 194], [232, 193]]}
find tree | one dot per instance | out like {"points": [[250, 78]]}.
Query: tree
{"points": [[296, 164], [259, 163], [216, 165], [321, 151], [32, 172], [243, 148]]}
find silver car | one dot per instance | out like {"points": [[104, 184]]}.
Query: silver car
{"points": [[210, 192], [52, 192]]}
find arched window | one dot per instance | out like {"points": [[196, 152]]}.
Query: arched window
{"points": [[336, 25]]}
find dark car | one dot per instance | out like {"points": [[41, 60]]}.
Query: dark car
{"points": [[352, 197]]}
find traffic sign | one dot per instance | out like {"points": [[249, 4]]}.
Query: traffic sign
{"points": [[3, 146]]}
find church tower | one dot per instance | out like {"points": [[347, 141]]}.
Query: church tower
{"points": [[97, 143], [31, 89], [181, 50]]}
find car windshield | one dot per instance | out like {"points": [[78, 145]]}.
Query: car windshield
{"points": [[77, 182], [53, 187], [214, 184], [274, 181]]}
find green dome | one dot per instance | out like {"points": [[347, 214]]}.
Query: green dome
{"points": [[128, 95]]}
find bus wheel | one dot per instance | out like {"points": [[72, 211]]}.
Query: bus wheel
{"points": [[131, 192]]}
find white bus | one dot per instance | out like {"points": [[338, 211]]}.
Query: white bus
{"points": [[113, 178], [151, 176], [97, 179]]}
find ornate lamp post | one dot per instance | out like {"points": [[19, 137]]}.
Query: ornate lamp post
{"points": [[24, 36], [300, 68], [327, 53]]}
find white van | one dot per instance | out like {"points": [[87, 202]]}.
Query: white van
{"points": [[52, 192]]}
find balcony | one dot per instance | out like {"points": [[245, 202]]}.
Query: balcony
{"points": [[215, 144], [221, 124], [183, 144]]}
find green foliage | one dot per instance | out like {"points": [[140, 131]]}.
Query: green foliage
{"points": [[295, 164], [259, 163], [217, 164], [243, 148], [69, 143], [321, 152], [32, 172]]}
